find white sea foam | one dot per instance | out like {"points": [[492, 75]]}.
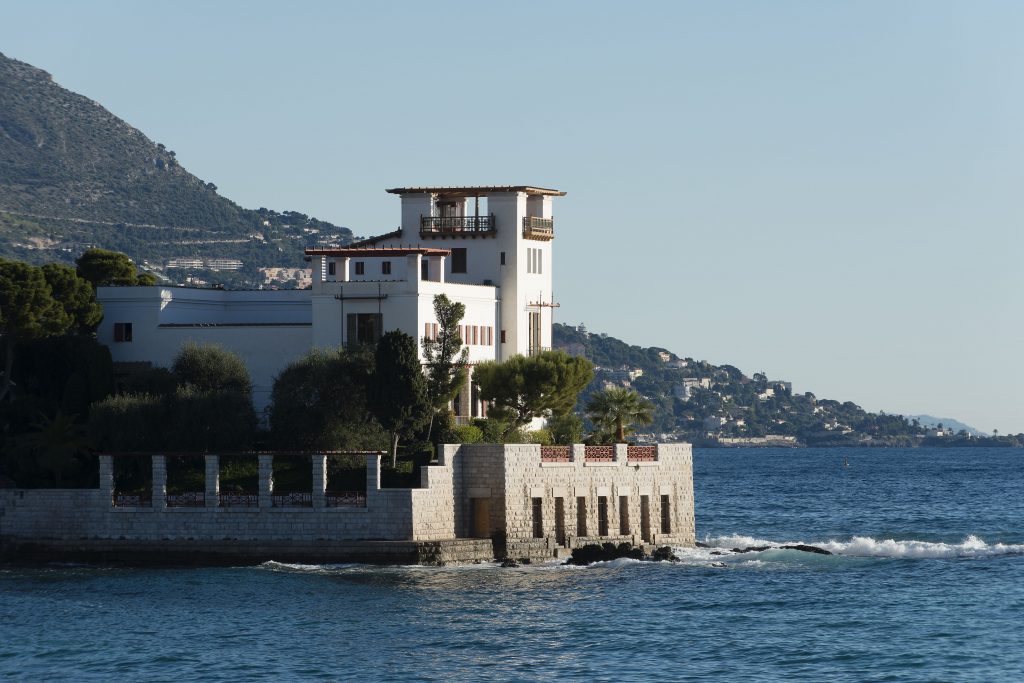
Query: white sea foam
{"points": [[865, 546]]}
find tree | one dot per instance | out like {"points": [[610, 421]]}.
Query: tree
{"points": [[76, 295], [211, 368], [446, 358], [27, 311], [321, 401], [399, 392], [616, 409], [523, 388], [102, 267], [566, 429]]}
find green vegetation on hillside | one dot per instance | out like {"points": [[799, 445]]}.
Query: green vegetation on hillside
{"points": [[73, 176]]}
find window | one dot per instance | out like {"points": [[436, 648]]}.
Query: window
{"points": [[535, 338], [332, 268], [424, 269], [534, 260], [602, 516], [385, 268], [538, 519], [581, 516], [122, 332], [560, 521], [490, 336], [503, 336], [364, 328], [666, 516], [360, 268], [624, 515], [502, 258], [459, 260]]}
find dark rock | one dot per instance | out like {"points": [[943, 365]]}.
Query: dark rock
{"points": [[664, 554], [717, 552], [701, 545], [752, 549], [605, 552], [807, 549], [719, 565], [509, 562]]}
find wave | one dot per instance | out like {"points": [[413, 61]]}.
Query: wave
{"points": [[865, 546]]}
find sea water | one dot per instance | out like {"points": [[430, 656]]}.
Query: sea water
{"points": [[926, 583]]}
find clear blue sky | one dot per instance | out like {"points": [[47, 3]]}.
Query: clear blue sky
{"points": [[828, 192]]}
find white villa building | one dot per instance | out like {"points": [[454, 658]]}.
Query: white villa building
{"points": [[489, 248]]}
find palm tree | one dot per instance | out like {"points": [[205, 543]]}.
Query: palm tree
{"points": [[616, 410]]}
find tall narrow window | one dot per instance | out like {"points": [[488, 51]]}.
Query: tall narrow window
{"points": [[503, 336], [666, 516], [534, 318], [385, 268], [424, 269], [624, 515], [459, 260], [645, 518], [502, 258], [581, 516], [540, 261], [332, 268], [538, 518], [360, 268], [602, 516], [426, 331], [560, 521]]}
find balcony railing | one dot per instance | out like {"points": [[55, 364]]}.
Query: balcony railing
{"points": [[555, 453], [470, 226], [345, 499], [535, 228], [537, 350], [188, 499]]}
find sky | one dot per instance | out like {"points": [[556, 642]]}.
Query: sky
{"points": [[826, 192]]}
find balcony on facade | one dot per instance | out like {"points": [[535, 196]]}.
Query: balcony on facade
{"points": [[535, 228], [457, 226]]}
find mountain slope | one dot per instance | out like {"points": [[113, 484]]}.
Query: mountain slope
{"points": [[73, 175]]}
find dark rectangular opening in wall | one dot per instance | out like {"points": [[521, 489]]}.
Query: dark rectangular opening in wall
{"points": [[602, 516], [581, 516], [360, 268], [538, 518], [459, 260], [624, 515], [424, 269], [385, 268], [364, 328], [666, 516], [502, 258], [332, 268], [122, 332], [645, 518], [560, 520]]}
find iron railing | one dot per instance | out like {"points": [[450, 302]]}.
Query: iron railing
{"points": [[188, 499], [456, 225], [292, 499], [535, 228], [132, 500], [239, 500], [345, 499]]}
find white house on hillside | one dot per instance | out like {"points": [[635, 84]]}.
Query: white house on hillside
{"points": [[489, 248]]}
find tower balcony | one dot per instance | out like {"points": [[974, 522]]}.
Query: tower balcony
{"points": [[535, 228], [457, 226]]}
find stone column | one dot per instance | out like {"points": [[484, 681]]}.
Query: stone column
{"points": [[319, 480], [107, 480], [266, 481], [159, 482], [579, 452], [212, 495], [621, 453], [372, 473]]}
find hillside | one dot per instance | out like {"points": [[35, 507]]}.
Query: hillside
{"points": [[73, 175], [704, 403]]}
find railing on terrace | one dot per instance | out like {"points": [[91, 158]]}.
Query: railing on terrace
{"points": [[555, 453], [535, 228], [537, 350], [640, 453], [599, 453], [345, 499], [188, 499], [456, 225], [132, 500], [292, 499], [239, 500]]}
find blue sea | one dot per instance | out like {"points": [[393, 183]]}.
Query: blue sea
{"points": [[926, 584]]}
